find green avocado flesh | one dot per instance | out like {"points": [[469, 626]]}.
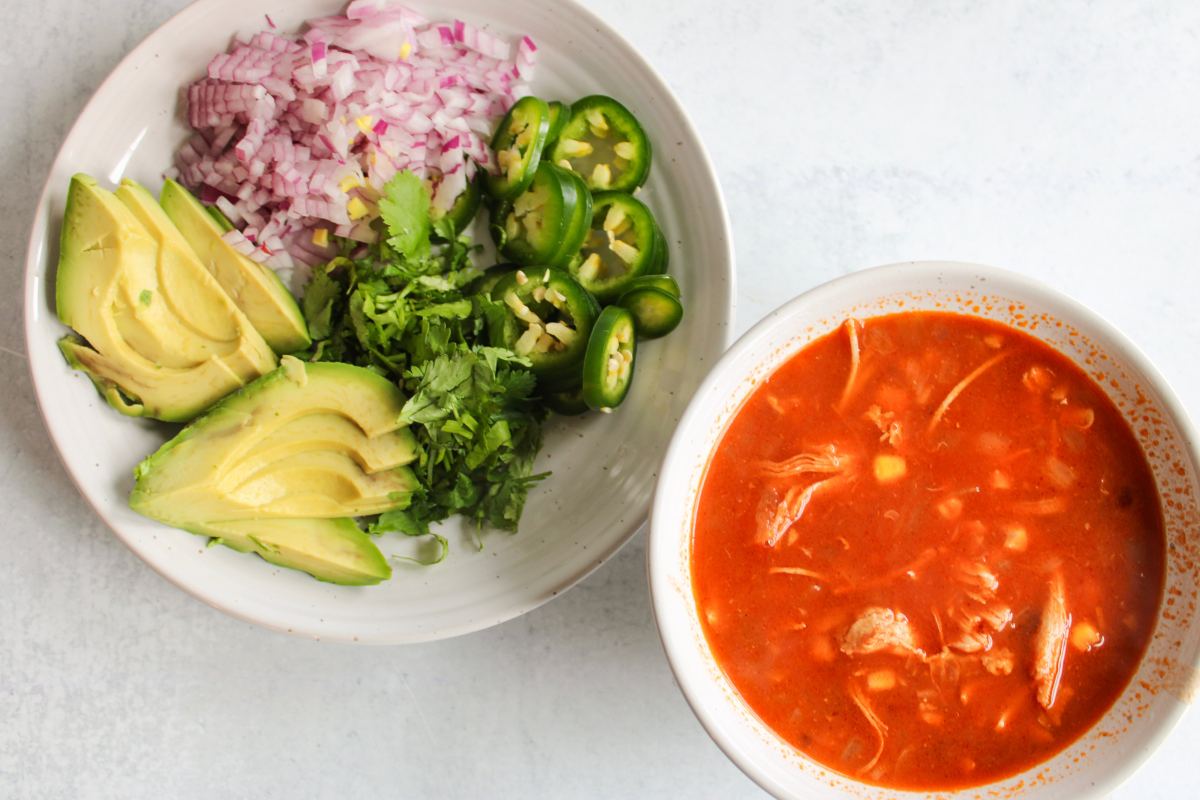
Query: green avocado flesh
{"points": [[331, 550], [156, 333], [278, 467], [253, 287]]}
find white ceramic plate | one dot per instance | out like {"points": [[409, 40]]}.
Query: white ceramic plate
{"points": [[1167, 678], [604, 466]]}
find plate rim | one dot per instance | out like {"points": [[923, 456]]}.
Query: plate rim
{"points": [[34, 288]]}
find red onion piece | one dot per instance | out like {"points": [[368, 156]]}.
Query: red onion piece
{"points": [[291, 128]]}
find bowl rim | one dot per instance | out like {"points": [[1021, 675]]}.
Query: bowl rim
{"points": [[663, 544], [34, 298]]}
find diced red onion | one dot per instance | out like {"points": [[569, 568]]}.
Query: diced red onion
{"points": [[291, 127]]}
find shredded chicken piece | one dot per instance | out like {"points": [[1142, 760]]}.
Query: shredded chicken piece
{"points": [[827, 462], [970, 640], [856, 694], [1056, 504], [943, 665], [851, 326], [944, 670], [995, 616], [807, 573], [776, 515], [1037, 378], [889, 429], [937, 620], [978, 616], [980, 582], [880, 630], [1050, 647], [999, 662], [961, 386]]}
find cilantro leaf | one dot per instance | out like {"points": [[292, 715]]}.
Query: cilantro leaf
{"points": [[405, 211], [319, 297]]}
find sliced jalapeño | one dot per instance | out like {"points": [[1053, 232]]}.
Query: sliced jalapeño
{"points": [[491, 276], [540, 225], [664, 252], [559, 113], [568, 402], [608, 364], [655, 311], [605, 144], [550, 317], [578, 225], [466, 205], [622, 244], [518, 144], [664, 282]]}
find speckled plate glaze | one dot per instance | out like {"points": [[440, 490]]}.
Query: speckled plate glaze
{"points": [[604, 466], [1166, 681]]}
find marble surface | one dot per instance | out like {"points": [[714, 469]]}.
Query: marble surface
{"points": [[1058, 139]]}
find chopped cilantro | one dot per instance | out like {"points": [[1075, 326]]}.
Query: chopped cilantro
{"points": [[145, 297], [405, 308]]}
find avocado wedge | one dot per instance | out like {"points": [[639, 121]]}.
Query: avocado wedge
{"points": [[278, 467], [331, 550], [156, 333], [253, 287]]}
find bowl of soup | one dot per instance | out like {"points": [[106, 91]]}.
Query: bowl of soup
{"points": [[932, 529]]}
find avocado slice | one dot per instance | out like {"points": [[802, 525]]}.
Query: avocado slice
{"points": [[269, 467], [331, 550], [253, 287], [156, 333]]}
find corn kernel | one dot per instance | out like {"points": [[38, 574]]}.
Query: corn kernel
{"points": [[950, 508], [1016, 537], [1000, 480], [1084, 636], [890, 468], [356, 208], [1082, 418], [881, 680]]}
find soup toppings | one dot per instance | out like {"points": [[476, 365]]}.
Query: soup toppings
{"points": [[928, 551]]}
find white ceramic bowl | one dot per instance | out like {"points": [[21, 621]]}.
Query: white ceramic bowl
{"points": [[604, 466], [1140, 719]]}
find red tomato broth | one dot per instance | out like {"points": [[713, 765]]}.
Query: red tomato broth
{"points": [[1030, 483]]}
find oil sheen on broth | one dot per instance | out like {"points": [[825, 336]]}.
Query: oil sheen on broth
{"points": [[928, 552]]}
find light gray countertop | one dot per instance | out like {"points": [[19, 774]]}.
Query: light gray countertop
{"points": [[1058, 139]]}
